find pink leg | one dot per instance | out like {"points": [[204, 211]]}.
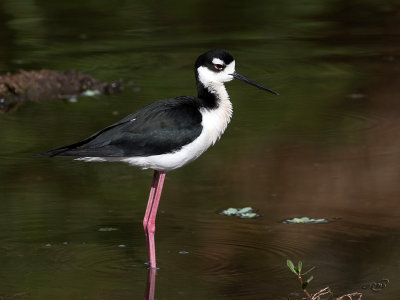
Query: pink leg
{"points": [[151, 213], [150, 201]]}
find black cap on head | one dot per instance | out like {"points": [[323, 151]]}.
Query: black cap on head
{"points": [[207, 58]]}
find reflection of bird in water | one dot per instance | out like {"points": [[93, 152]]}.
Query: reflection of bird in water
{"points": [[150, 284], [167, 134]]}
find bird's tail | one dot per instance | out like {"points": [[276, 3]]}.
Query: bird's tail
{"points": [[51, 153]]}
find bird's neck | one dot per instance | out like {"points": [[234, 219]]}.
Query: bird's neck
{"points": [[212, 95], [216, 111]]}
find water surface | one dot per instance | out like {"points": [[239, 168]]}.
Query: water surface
{"points": [[327, 147]]}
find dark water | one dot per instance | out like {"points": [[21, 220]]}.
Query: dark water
{"points": [[328, 147]]}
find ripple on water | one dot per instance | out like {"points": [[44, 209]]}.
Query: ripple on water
{"points": [[242, 257], [335, 125], [108, 260], [234, 248], [301, 123], [350, 122]]}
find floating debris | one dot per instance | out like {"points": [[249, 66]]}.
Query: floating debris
{"points": [[356, 96], [304, 220], [244, 213], [376, 286], [107, 229], [351, 296], [91, 93], [121, 246], [183, 252]]}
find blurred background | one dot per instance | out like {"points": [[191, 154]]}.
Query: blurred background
{"points": [[327, 147]]}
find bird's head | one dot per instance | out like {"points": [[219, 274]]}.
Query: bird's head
{"points": [[215, 67]]}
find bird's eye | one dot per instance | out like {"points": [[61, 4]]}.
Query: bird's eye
{"points": [[219, 67]]}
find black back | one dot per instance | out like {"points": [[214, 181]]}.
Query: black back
{"points": [[161, 127]]}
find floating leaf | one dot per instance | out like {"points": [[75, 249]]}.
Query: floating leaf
{"points": [[229, 212], [291, 266], [248, 215], [304, 220], [245, 212]]}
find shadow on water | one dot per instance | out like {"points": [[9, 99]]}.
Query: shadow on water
{"points": [[328, 147]]}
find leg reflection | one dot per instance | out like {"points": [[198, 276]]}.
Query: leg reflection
{"points": [[151, 284]]}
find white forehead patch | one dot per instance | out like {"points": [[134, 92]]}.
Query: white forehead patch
{"points": [[217, 61]]}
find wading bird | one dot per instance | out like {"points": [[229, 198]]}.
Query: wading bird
{"points": [[167, 134]]}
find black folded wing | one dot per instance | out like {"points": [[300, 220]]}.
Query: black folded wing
{"points": [[162, 127]]}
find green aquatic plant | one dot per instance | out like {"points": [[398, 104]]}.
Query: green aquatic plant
{"points": [[304, 220], [300, 275], [244, 213], [325, 292]]}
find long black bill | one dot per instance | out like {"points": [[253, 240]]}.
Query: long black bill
{"points": [[242, 78]]}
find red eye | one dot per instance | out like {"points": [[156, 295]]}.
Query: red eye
{"points": [[219, 66]]}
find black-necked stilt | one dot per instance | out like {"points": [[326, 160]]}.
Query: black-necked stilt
{"points": [[167, 134]]}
